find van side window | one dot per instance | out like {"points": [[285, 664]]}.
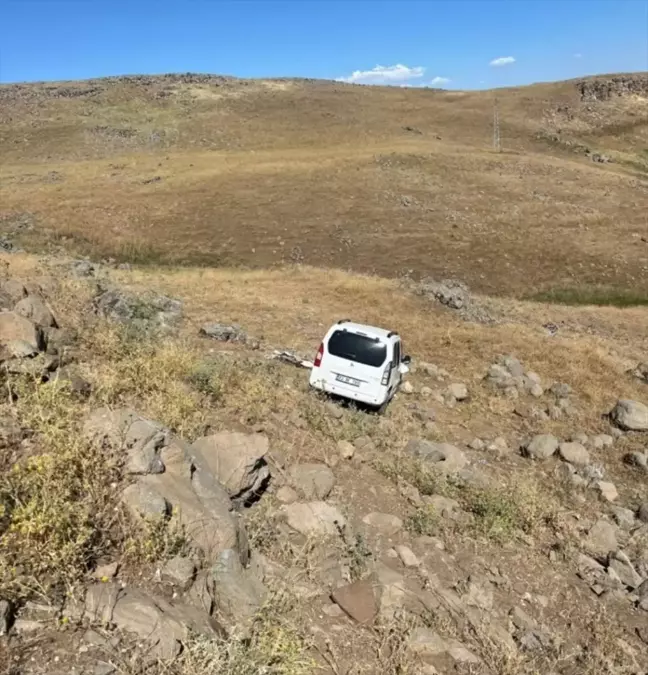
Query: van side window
{"points": [[397, 353]]}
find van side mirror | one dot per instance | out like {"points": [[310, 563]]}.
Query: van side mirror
{"points": [[407, 359]]}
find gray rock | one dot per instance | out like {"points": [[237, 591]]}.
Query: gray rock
{"points": [[642, 512], [458, 391], [14, 289], [407, 387], [82, 268], [144, 501], [6, 616], [592, 472], [428, 646], [407, 556], [579, 437], [358, 600], [100, 602], [179, 571], [239, 593], [622, 567], [14, 327], [601, 441], [630, 415], [150, 311], [560, 390], [479, 594], [574, 453], [384, 523], [70, 377], [607, 491], [449, 292], [286, 495], [499, 376], [444, 506], [314, 518], [346, 449], [237, 460], [314, 481], [124, 429], [638, 460], [541, 447], [103, 668], [106, 571], [36, 310], [224, 332], [624, 518], [601, 539], [512, 365], [443, 457]]}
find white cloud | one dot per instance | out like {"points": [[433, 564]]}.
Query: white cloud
{"points": [[437, 81], [398, 74], [502, 61]]}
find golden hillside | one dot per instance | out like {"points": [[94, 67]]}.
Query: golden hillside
{"points": [[219, 171]]}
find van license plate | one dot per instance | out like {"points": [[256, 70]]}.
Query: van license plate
{"points": [[348, 380]]}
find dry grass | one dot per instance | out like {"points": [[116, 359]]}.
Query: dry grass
{"points": [[325, 173]]}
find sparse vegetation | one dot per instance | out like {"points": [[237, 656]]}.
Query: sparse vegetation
{"points": [[593, 295]]}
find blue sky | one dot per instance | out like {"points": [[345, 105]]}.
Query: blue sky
{"points": [[458, 44]]}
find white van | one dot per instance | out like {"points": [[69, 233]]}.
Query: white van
{"points": [[360, 363]]}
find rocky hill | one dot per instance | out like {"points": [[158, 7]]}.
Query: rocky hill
{"points": [[174, 499], [210, 170]]}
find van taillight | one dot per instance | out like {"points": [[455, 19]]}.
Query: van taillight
{"points": [[386, 374], [318, 357]]}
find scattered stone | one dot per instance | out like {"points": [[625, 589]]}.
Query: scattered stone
{"points": [[574, 453], [82, 268], [358, 600], [606, 490], [237, 460], [384, 523], [602, 441], [601, 539], [560, 390], [407, 556], [477, 444], [14, 290], [407, 387], [334, 410], [314, 481], [630, 415], [623, 517], [314, 518], [224, 332], [499, 446], [103, 668], [100, 602], [107, 571], [478, 595], [541, 447], [286, 495], [427, 645], [179, 571], [444, 457], [346, 449], [70, 377], [457, 391]]}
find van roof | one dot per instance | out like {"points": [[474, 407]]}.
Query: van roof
{"points": [[372, 331]]}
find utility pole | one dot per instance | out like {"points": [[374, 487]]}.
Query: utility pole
{"points": [[497, 145]]}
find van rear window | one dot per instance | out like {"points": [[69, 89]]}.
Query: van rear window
{"points": [[358, 348]]}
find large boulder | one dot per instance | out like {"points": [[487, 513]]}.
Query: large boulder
{"points": [[239, 593], [169, 481], [151, 310], [443, 457], [36, 310], [14, 327], [124, 429], [237, 460], [630, 415]]}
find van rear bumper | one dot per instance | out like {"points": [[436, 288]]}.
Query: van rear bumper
{"points": [[346, 392]]}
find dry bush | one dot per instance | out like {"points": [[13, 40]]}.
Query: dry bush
{"points": [[57, 507]]}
